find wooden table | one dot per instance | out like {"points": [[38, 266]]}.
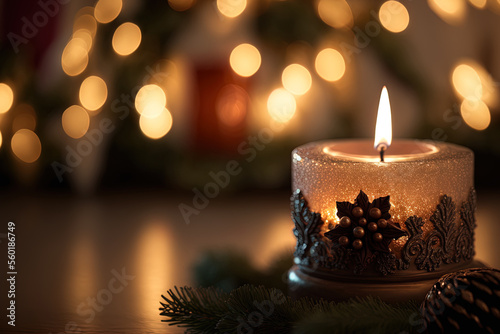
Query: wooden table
{"points": [[70, 251]]}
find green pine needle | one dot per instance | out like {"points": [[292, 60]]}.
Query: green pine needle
{"points": [[198, 309], [258, 309]]}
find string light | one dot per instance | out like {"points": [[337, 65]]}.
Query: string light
{"points": [[335, 13], [158, 126], [245, 60], [330, 64], [181, 5], [475, 113], [450, 11], [75, 121], [107, 10], [93, 93], [281, 105], [6, 97], [394, 16], [231, 8], [296, 79], [150, 100], [126, 39], [75, 58], [26, 145]]}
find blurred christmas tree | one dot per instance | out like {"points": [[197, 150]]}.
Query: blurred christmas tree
{"points": [[154, 93]]}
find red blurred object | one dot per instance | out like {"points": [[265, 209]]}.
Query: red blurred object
{"points": [[220, 115], [31, 26]]}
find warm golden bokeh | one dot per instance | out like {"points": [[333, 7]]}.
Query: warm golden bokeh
{"points": [[231, 8], [450, 11], [158, 126], [466, 82], [126, 38], [150, 101], [93, 93], [330, 64], [480, 4], [475, 113], [1, 139], [245, 60], [335, 13], [75, 58], [107, 10], [24, 118], [181, 5], [394, 16], [296, 79], [84, 35], [26, 145], [75, 121], [85, 22], [6, 97], [281, 105]]}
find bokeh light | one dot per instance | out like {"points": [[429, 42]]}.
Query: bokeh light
{"points": [[1, 139], [158, 126], [24, 118], [85, 36], [475, 113], [231, 8], [467, 82], [75, 58], [281, 105], [480, 4], [296, 79], [93, 93], [181, 5], [26, 145], [126, 38], [394, 16], [231, 105], [6, 97], [488, 86], [85, 22], [335, 13], [107, 10], [450, 11], [150, 101], [245, 60], [75, 121], [330, 64]]}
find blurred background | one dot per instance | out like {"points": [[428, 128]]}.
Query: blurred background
{"points": [[158, 93], [116, 114]]}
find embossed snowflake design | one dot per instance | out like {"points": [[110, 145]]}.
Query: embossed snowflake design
{"points": [[366, 229]]}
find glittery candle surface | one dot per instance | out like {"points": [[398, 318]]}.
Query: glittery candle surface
{"points": [[415, 176]]}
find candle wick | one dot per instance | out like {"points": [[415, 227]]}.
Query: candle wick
{"points": [[382, 151]]}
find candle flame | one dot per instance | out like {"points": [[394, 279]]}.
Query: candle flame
{"points": [[383, 129]]}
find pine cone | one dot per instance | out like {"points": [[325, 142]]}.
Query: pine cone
{"points": [[465, 300]]}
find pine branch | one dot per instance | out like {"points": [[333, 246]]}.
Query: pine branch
{"points": [[262, 310], [198, 309], [361, 316]]}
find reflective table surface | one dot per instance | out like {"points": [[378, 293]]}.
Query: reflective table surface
{"points": [[100, 264]]}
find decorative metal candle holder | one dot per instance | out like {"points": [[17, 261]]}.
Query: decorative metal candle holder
{"points": [[368, 253]]}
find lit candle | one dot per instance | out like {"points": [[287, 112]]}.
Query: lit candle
{"points": [[426, 219], [415, 173]]}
